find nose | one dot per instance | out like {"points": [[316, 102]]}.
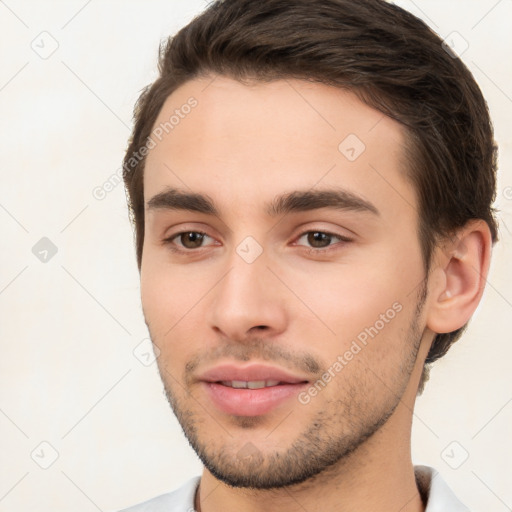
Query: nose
{"points": [[249, 301]]}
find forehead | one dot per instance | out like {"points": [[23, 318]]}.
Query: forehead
{"points": [[217, 136]]}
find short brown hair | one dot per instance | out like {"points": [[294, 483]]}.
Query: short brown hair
{"points": [[389, 58]]}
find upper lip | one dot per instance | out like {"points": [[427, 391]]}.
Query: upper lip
{"points": [[250, 372]]}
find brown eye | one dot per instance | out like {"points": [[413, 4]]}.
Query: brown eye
{"points": [[191, 239], [318, 239], [186, 241], [320, 242]]}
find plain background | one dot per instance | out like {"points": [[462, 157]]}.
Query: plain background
{"points": [[77, 394]]}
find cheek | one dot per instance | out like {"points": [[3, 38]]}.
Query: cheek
{"points": [[173, 299], [163, 296], [368, 308], [165, 312], [348, 298]]}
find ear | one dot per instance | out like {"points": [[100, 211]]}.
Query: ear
{"points": [[461, 269]]}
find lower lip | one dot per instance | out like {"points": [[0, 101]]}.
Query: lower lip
{"points": [[251, 402]]}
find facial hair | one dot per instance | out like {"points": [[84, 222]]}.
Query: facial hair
{"points": [[341, 426]]}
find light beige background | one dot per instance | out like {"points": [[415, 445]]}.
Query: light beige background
{"points": [[71, 327]]}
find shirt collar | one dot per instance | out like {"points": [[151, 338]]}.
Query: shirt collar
{"points": [[436, 494], [438, 497]]}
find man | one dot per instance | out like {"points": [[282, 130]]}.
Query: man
{"points": [[311, 185]]}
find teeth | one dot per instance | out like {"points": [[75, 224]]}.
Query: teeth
{"points": [[257, 384], [238, 384], [253, 384]]}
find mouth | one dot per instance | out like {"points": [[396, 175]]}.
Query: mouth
{"points": [[251, 390]]}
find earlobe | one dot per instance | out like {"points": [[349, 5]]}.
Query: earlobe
{"points": [[463, 265]]}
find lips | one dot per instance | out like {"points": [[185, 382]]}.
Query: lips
{"points": [[250, 390]]}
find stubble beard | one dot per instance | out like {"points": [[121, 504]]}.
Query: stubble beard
{"points": [[334, 433]]}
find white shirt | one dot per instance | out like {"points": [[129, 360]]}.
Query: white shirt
{"points": [[440, 497]]}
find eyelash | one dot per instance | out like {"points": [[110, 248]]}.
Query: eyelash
{"points": [[311, 250]]}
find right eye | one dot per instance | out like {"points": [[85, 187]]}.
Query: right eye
{"points": [[188, 241]]}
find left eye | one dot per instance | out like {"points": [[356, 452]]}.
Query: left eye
{"points": [[321, 239]]}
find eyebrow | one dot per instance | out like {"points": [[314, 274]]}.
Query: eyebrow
{"points": [[295, 201]]}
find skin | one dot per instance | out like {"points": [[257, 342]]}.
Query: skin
{"points": [[348, 448]]}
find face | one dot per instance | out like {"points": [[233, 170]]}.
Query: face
{"points": [[281, 274]]}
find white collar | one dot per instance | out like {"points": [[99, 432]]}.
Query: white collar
{"points": [[434, 490], [439, 497]]}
